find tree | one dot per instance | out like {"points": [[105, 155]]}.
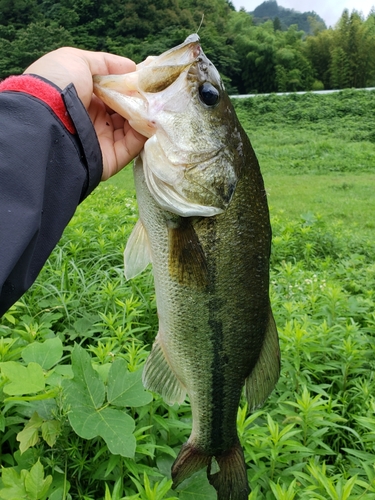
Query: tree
{"points": [[340, 69], [142, 18], [368, 47], [251, 57], [18, 13], [352, 51], [277, 24], [344, 56], [29, 44], [318, 50], [293, 70]]}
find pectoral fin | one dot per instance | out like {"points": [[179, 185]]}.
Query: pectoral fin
{"points": [[261, 381], [159, 377], [187, 262], [137, 253]]}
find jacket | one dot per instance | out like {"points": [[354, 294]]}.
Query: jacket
{"points": [[50, 160]]}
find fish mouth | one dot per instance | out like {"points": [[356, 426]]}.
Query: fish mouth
{"points": [[129, 94], [155, 73]]}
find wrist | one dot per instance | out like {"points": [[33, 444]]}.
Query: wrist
{"points": [[43, 90]]}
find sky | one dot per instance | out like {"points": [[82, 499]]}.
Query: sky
{"points": [[329, 10]]}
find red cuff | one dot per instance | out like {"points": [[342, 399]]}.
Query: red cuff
{"points": [[41, 90]]}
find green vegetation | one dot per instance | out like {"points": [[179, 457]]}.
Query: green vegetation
{"points": [[75, 422], [287, 52], [317, 153]]}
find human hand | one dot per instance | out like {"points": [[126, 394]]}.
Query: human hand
{"points": [[119, 142]]}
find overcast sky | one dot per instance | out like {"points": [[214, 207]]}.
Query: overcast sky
{"points": [[329, 10]]}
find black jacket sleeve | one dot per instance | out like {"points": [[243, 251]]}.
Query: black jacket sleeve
{"points": [[45, 171]]}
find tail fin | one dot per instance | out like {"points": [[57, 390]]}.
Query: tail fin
{"points": [[230, 481]]}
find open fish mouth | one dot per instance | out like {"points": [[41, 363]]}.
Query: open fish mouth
{"points": [[153, 75]]}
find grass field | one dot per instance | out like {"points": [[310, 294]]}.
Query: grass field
{"points": [[346, 197], [316, 153], [68, 431]]}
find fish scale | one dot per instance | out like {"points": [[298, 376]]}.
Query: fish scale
{"points": [[204, 225]]}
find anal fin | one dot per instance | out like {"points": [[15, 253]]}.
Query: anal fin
{"points": [[261, 381], [159, 377]]}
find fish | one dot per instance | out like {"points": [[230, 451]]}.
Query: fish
{"points": [[204, 226]]}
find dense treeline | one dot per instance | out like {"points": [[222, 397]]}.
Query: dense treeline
{"points": [[251, 57]]}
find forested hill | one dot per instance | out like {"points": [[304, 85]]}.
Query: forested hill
{"points": [[251, 56], [270, 10]]}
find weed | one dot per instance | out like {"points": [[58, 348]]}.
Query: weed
{"points": [[75, 421]]}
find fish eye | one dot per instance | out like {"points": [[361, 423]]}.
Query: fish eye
{"points": [[209, 94]]}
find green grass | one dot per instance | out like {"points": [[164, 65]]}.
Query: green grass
{"points": [[124, 180], [72, 347], [316, 153], [311, 134], [346, 199]]}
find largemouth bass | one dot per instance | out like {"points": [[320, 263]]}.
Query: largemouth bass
{"points": [[204, 225]]}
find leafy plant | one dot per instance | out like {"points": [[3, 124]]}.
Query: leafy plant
{"points": [[75, 421]]}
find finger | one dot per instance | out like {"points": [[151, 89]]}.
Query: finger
{"points": [[125, 150], [103, 63], [129, 147], [118, 122]]}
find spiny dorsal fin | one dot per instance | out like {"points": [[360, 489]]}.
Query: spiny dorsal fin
{"points": [[187, 262], [137, 253], [261, 381], [159, 377]]}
